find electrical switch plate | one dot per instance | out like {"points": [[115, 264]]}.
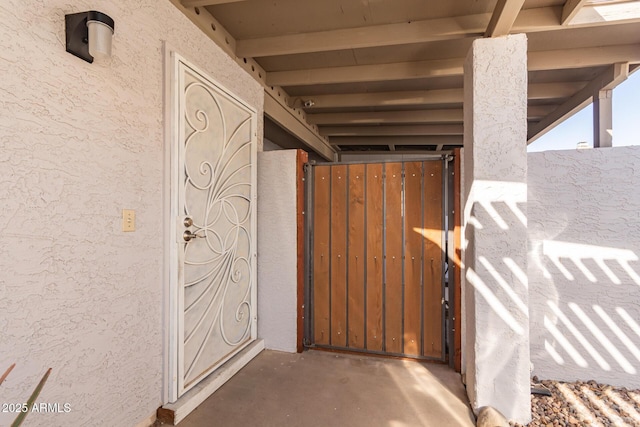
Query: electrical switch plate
{"points": [[128, 220]]}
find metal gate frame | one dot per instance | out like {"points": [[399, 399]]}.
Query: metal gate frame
{"points": [[448, 287]]}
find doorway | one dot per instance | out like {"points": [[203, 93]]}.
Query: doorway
{"points": [[212, 267]]}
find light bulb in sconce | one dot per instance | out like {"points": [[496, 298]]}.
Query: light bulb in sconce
{"points": [[100, 27]]}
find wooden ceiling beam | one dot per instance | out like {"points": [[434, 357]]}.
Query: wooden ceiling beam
{"points": [[368, 73], [376, 35], [538, 112], [453, 115], [553, 90], [537, 61], [425, 31], [608, 79], [450, 115], [387, 99], [396, 140], [468, 26], [503, 17], [582, 58], [417, 153], [570, 10], [297, 127], [200, 3], [409, 130], [428, 97]]}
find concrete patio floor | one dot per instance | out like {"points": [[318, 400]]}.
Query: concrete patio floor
{"points": [[318, 388]]}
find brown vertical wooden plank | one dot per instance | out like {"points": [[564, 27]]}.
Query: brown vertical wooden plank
{"points": [[374, 204], [393, 258], [321, 254], [457, 261], [356, 262], [412, 258], [301, 158], [339, 256], [433, 258]]}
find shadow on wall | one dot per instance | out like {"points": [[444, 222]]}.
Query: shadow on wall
{"points": [[585, 313], [584, 265]]}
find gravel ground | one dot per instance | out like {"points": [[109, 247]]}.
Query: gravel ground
{"points": [[584, 404]]}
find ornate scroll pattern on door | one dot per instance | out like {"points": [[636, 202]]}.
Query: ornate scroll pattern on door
{"points": [[217, 196]]}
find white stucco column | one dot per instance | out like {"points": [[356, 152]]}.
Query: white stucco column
{"points": [[495, 174]]}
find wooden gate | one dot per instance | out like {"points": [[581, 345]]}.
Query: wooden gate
{"points": [[377, 261]]}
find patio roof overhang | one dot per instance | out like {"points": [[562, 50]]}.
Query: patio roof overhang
{"points": [[385, 76]]}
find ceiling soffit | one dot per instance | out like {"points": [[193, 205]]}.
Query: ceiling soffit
{"points": [[375, 75]]}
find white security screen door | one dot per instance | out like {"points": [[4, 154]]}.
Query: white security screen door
{"points": [[214, 161]]}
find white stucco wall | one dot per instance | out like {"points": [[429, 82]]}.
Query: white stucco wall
{"points": [[277, 250], [78, 143], [268, 145], [495, 237], [584, 273]]}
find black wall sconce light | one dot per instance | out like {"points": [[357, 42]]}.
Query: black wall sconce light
{"points": [[89, 34]]}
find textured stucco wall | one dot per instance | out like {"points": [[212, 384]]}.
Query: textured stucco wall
{"points": [[584, 268], [79, 142], [495, 173], [277, 250]]}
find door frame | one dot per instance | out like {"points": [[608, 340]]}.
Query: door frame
{"points": [[169, 342], [172, 318], [302, 158]]}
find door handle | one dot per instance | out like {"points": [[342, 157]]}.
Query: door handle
{"points": [[189, 236]]}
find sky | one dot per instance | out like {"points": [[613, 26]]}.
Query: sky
{"points": [[579, 127]]}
